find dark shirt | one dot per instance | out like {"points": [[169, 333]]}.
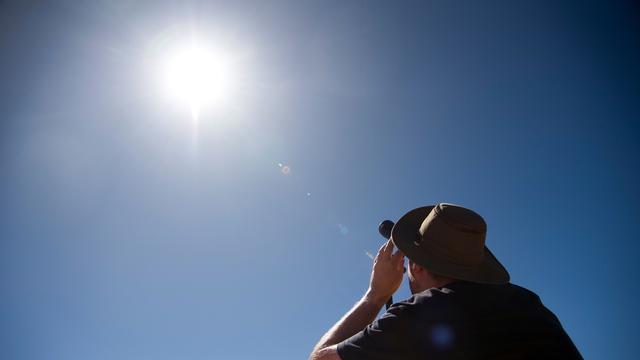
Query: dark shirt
{"points": [[464, 320]]}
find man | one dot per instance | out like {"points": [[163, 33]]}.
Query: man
{"points": [[463, 306]]}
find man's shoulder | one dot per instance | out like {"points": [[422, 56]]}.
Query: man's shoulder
{"points": [[468, 294], [431, 299], [442, 294], [466, 288]]}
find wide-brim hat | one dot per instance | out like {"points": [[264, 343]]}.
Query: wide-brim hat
{"points": [[448, 240]]}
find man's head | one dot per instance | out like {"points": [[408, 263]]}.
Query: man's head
{"points": [[446, 242]]}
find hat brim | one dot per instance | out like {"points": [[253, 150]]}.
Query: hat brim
{"points": [[403, 234]]}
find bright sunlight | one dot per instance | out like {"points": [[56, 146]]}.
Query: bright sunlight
{"points": [[198, 76]]}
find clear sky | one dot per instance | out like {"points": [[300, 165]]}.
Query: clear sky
{"points": [[132, 230]]}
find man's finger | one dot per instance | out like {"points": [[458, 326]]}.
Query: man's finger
{"points": [[398, 259], [387, 249], [398, 255]]}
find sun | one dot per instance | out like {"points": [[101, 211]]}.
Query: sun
{"points": [[198, 76]]}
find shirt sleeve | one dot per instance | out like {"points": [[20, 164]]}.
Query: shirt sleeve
{"points": [[385, 338]]}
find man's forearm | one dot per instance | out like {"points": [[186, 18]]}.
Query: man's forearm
{"points": [[386, 277], [361, 315]]}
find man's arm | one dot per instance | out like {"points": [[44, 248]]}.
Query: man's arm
{"points": [[386, 277], [361, 315]]}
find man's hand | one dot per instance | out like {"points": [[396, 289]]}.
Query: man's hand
{"points": [[386, 277]]}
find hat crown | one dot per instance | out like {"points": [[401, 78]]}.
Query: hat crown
{"points": [[455, 233]]}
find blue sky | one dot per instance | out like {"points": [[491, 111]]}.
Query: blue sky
{"points": [[128, 232]]}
